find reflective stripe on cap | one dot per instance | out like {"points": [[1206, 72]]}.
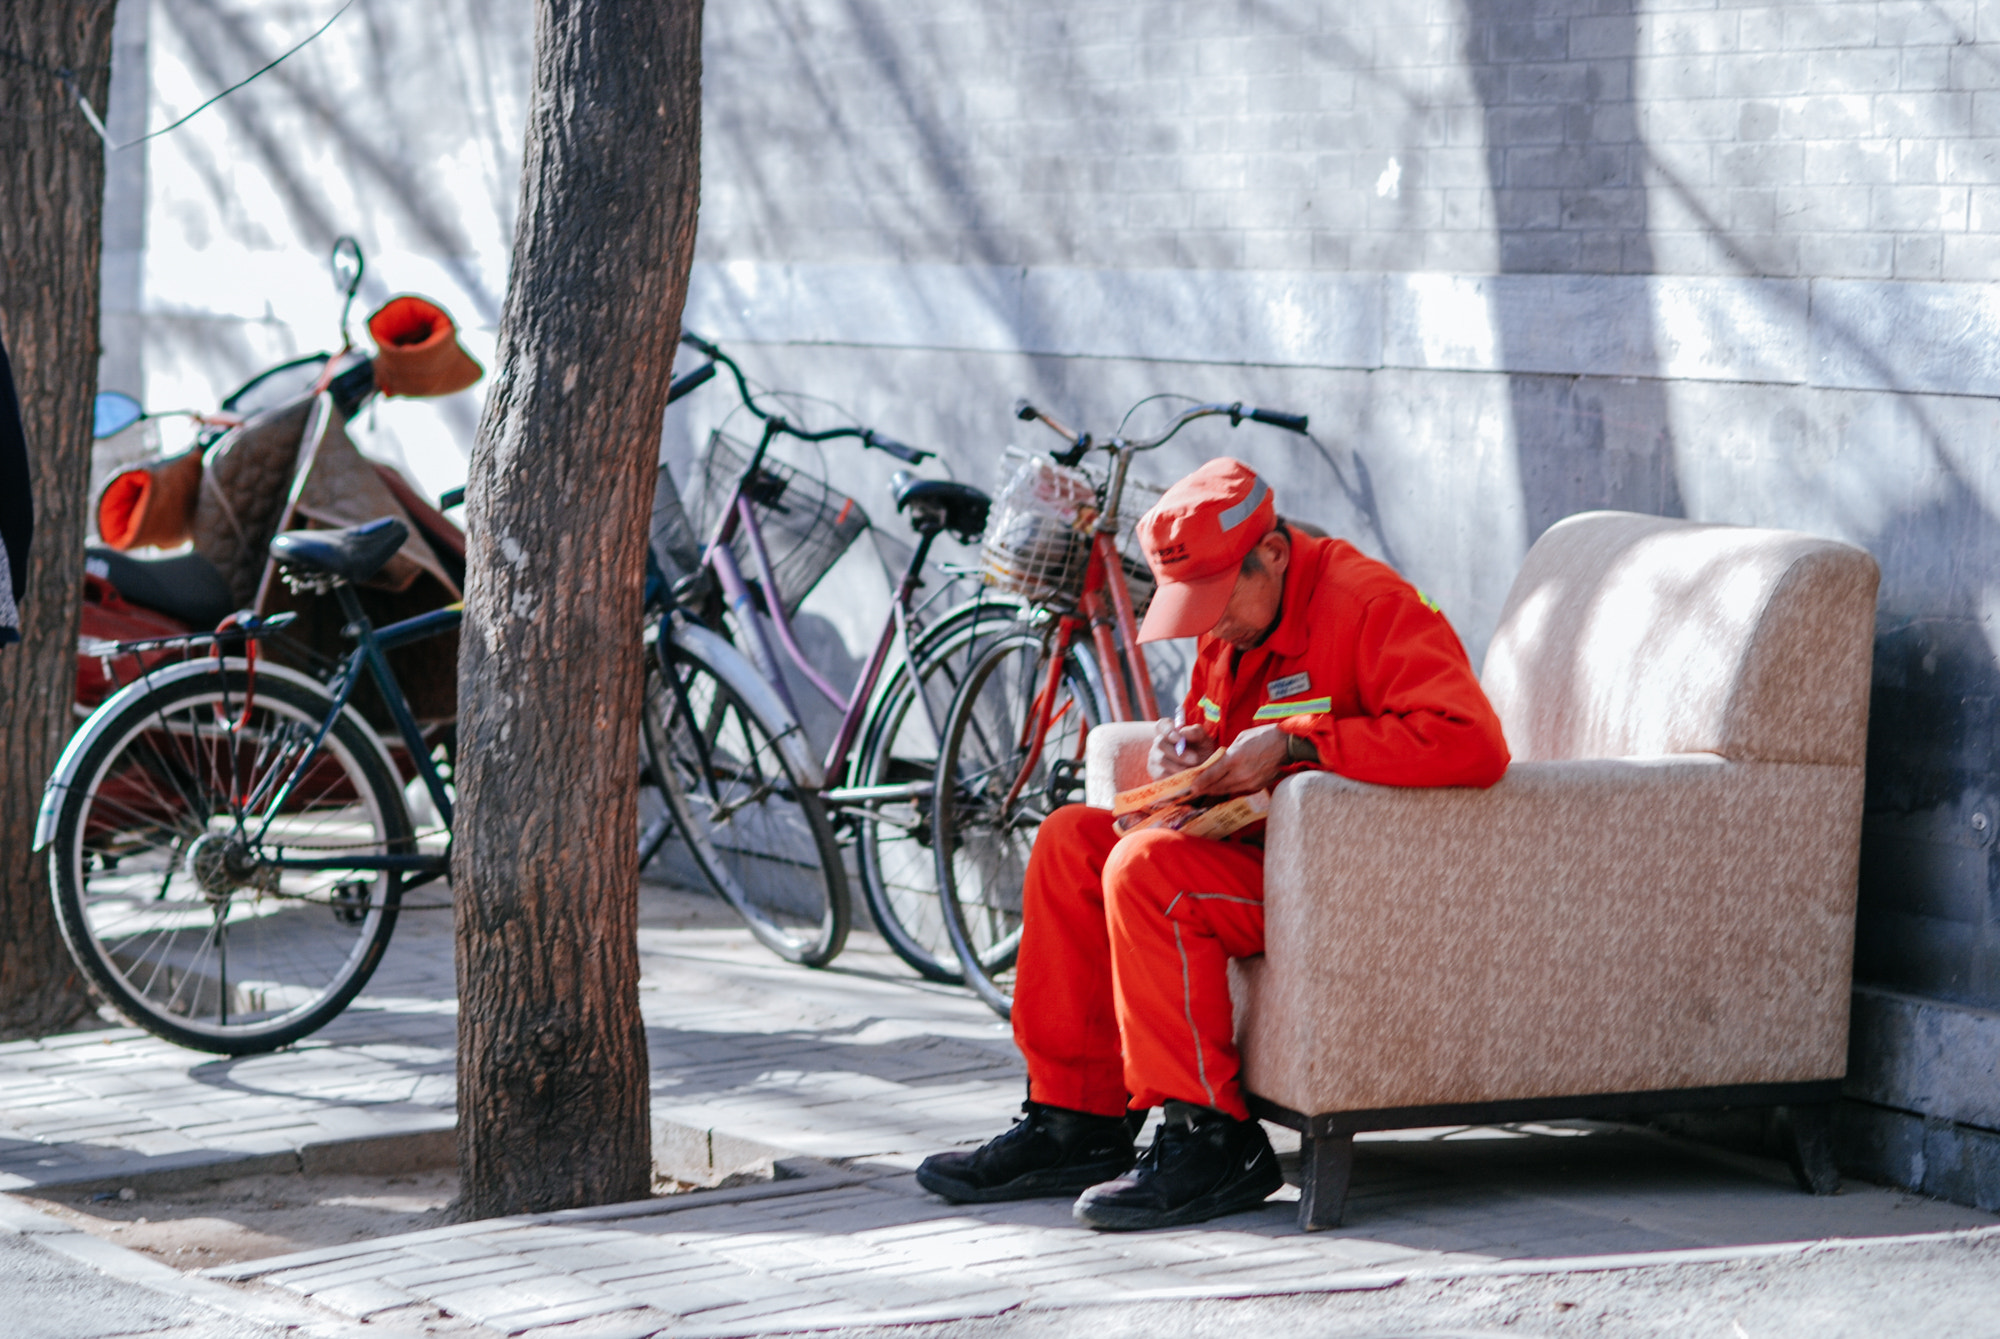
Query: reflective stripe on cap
{"points": [[1234, 516]]}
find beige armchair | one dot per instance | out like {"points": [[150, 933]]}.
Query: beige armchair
{"points": [[1652, 911]]}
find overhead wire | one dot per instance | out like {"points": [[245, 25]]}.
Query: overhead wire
{"points": [[68, 76]]}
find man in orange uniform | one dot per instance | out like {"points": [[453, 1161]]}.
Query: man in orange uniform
{"points": [[1311, 655]]}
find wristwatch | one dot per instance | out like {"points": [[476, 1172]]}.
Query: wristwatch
{"points": [[1298, 748]]}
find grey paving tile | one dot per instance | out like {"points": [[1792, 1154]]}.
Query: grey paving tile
{"points": [[362, 1298], [633, 1276], [539, 1296], [634, 1323], [485, 1299], [696, 1296], [430, 1279]]}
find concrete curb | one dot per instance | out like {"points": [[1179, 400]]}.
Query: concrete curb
{"points": [[681, 1151], [297, 1316], [375, 1155], [1377, 1280], [798, 1176]]}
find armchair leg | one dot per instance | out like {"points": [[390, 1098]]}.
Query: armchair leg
{"points": [[1811, 1148], [1325, 1164]]}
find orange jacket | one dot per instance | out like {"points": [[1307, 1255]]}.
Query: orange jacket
{"points": [[1364, 666]]}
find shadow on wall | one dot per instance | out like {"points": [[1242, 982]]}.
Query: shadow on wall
{"points": [[1564, 160], [1930, 886]]}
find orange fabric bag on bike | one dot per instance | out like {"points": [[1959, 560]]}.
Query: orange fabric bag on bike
{"points": [[420, 353], [150, 505]]}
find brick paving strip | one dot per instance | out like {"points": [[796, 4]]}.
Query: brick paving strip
{"points": [[864, 1071]]}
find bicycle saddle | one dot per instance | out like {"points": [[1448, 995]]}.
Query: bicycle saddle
{"points": [[353, 553], [941, 504], [186, 586]]}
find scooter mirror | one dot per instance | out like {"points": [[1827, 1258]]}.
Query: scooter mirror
{"points": [[347, 269], [347, 265], [113, 413]]}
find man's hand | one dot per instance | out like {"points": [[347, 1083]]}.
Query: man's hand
{"points": [[1252, 762], [1177, 746]]}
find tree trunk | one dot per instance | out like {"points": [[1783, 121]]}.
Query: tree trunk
{"points": [[552, 1074], [51, 205]]}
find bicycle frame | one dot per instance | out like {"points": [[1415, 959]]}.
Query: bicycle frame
{"points": [[1106, 609], [720, 557], [368, 655]]}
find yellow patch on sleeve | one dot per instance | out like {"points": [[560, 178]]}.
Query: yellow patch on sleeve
{"points": [[1305, 706]]}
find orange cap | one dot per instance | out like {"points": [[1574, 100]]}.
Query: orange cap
{"points": [[1195, 541]]}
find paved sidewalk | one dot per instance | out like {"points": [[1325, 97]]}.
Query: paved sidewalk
{"points": [[62, 1283], [868, 1070]]}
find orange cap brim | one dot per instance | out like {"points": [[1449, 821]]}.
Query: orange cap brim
{"points": [[1187, 608]]}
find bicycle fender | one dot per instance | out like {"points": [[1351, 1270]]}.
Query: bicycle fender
{"points": [[64, 775], [734, 668]]}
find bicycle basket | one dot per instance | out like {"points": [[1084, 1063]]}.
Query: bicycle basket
{"points": [[1038, 539], [806, 525]]}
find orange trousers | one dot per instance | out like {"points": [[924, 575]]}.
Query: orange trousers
{"points": [[1121, 997]]}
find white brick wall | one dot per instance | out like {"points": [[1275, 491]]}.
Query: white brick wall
{"points": [[1845, 140], [1516, 257]]}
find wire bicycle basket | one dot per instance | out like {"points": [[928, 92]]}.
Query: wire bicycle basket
{"points": [[806, 525], [1037, 543]]}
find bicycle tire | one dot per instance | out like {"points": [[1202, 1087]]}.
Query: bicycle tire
{"points": [[159, 868], [981, 842], [898, 745], [759, 836]]}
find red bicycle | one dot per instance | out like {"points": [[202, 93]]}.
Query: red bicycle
{"points": [[1060, 539]]}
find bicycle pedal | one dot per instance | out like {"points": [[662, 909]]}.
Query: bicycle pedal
{"points": [[1066, 782]]}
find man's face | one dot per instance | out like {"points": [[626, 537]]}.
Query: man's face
{"points": [[1253, 605]]}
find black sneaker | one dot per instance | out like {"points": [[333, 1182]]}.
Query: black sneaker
{"points": [[1203, 1164], [1050, 1151]]}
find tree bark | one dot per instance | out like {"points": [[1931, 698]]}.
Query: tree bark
{"points": [[51, 210], [552, 1074]]}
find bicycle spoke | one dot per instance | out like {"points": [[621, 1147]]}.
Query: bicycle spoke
{"points": [[178, 910]]}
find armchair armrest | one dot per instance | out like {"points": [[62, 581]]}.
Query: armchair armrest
{"points": [[1613, 925], [1114, 759]]}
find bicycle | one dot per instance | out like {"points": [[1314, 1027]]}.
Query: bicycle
{"points": [[228, 841], [1014, 736], [228, 838], [761, 815]]}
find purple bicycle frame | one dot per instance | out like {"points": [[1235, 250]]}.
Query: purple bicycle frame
{"points": [[722, 558]]}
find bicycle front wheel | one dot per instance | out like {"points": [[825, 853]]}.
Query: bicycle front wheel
{"points": [[760, 837], [197, 858], [899, 747], [999, 775]]}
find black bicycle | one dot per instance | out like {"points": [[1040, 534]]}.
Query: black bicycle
{"points": [[228, 841]]}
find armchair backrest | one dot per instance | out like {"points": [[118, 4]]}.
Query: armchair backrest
{"points": [[1628, 635]]}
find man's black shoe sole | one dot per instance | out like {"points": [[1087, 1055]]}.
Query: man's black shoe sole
{"points": [[1237, 1198], [1051, 1184]]}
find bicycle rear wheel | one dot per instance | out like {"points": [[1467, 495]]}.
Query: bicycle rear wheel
{"points": [[981, 835], [899, 746], [164, 860], [760, 837]]}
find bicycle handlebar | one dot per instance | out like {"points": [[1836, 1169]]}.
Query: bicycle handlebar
{"points": [[680, 386], [868, 437], [1080, 442], [1289, 422], [908, 454]]}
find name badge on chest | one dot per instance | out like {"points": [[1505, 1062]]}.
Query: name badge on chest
{"points": [[1289, 686]]}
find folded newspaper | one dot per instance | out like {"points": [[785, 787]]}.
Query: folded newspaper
{"points": [[1166, 803]]}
